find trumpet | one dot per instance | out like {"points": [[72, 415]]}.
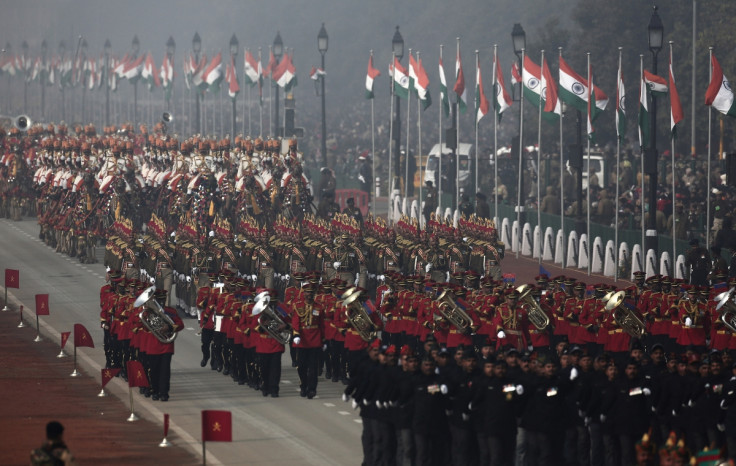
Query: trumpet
{"points": [[154, 318], [625, 315], [357, 316], [270, 321], [537, 316], [727, 307], [451, 310]]}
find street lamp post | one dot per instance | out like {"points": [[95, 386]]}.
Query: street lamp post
{"points": [[136, 45], [278, 52], [322, 41], [656, 39], [83, 52], [397, 46], [43, 78], [518, 38], [197, 48], [24, 47], [108, 46], [62, 50], [233, 53], [170, 50]]}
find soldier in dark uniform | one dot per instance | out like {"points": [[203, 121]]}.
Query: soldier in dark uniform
{"points": [[430, 201], [482, 209], [353, 211], [697, 262]]}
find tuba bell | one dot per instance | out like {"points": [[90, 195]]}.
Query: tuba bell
{"points": [[270, 320], [625, 315], [537, 316], [22, 122], [154, 318], [357, 316], [727, 307], [451, 310]]}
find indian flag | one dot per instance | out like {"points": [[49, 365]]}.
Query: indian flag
{"points": [[657, 85], [213, 74], [231, 77], [370, 76], [316, 73], [502, 99], [443, 89], [131, 70], [285, 73], [719, 94], [167, 76], [483, 106], [400, 79], [644, 114], [552, 102], [8, 65], [420, 81], [531, 76], [462, 93], [148, 74], [676, 114], [574, 90], [620, 105], [253, 71]]}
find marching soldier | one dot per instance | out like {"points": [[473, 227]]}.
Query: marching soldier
{"points": [[160, 353], [307, 322]]}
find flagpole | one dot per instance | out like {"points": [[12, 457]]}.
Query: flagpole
{"points": [[674, 187], [457, 133], [420, 217], [391, 144], [373, 151], [260, 95], [539, 161], [562, 177], [38, 331], [249, 99], [710, 122], [641, 196], [75, 372], [270, 102], [204, 453], [618, 169], [587, 156], [477, 103], [495, 136], [519, 206], [406, 148], [441, 153]]}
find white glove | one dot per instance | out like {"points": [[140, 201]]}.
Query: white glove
{"points": [[530, 348], [382, 277], [501, 334], [603, 418], [297, 340], [357, 276], [721, 427], [443, 389], [336, 265], [354, 404], [573, 373], [189, 279], [470, 406], [107, 269], [723, 404], [690, 403], [253, 278], [581, 413], [173, 233], [365, 402], [688, 322], [428, 267], [345, 397], [519, 389], [287, 277], [379, 405], [465, 417], [324, 347], [646, 391], [386, 404], [674, 413], [211, 234]]}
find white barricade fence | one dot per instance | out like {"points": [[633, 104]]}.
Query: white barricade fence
{"points": [[609, 265], [547, 250], [583, 252], [572, 249], [651, 263], [414, 209], [596, 265], [681, 271], [455, 218], [505, 232], [559, 247], [637, 260], [515, 236], [665, 264], [526, 240], [448, 214], [537, 245]]}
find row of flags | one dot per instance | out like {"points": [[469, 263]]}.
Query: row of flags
{"points": [[540, 88]]}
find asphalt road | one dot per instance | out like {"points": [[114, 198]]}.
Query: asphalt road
{"points": [[286, 431]]}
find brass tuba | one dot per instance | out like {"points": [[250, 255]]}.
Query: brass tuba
{"points": [[727, 307], [270, 320], [154, 318], [537, 316], [625, 315], [357, 316], [451, 311]]}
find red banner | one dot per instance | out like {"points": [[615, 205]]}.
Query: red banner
{"points": [[64, 338], [108, 374], [82, 336], [12, 278], [136, 374], [42, 304], [217, 426], [166, 425]]}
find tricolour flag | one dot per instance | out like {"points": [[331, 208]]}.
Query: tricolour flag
{"points": [[591, 103], [270, 66], [515, 75], [82, 336], [574, 91], [443, 91], [148, 74], [217, 426], [212, 76], [459, 88], [480, 96], [531, 76], [400, 79], [643, 114], [552, 102], [676, 114], [12, 278], [316, 73], [657, 85], [167, 76], [719, 93], [132, 69], [253, 71], [42, 304], [285, 73], [231, 77], [620, 105], [136, 374], [8, 65], [501, 98], [370, 76], [420, 81]]}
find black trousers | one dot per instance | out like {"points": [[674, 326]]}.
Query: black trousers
{"points": [[308, 366], [218, 350], [160, 373], [208, 335], [270, 364], [107, 344], [334, 357]]}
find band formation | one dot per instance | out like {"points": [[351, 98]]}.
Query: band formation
{"points": [[448, 360]]}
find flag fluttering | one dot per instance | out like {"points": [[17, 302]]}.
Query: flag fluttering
{"points": [[217, 426], [82, 337]]}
